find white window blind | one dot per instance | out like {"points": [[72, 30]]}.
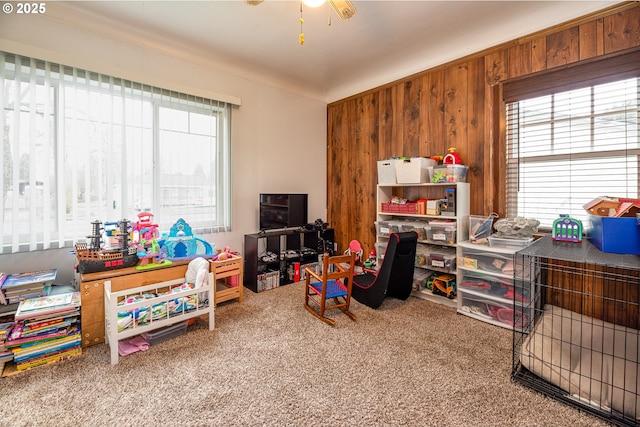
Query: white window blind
{"points": [[567, 147], [79, 146]]}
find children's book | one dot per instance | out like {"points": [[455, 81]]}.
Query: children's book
{"points": [[36, 288], [47, 359], [45, 302], [3, 277], [51, 305], [16, 298], [28, 279]]}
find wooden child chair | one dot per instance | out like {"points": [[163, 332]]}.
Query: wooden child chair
{"points": [[332, 288]]}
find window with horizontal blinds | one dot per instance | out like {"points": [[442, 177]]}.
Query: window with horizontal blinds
{"points": [[79, 146], [572, 135]]}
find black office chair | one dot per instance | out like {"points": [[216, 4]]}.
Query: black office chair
{"points": [[395, 276]]}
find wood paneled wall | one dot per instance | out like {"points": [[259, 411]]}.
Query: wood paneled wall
{"points": [[459, 105]]}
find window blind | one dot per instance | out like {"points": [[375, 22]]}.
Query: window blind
{"points": [[572, 135], [79, 146]]}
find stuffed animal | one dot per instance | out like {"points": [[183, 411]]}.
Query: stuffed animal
{"points": [[198, 275]]}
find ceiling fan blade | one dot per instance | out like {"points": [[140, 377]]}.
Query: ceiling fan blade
{"points": [[343, 8]]}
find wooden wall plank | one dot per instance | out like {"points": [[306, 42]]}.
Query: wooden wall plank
{"points": [[455, 108], [424, 116], [588, 40], [622, 30], [476, 144], [496, 66], [538, 54], [387, 144], [563, 47], [411, 117], [435, 103], [519, 60]]}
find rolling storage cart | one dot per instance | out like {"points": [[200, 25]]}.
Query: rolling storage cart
{"points": [[487, 290]]}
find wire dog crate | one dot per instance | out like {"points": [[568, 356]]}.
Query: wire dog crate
{"points": [[583, 346]]}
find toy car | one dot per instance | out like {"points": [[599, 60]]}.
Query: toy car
{"points": [[444, 285]]}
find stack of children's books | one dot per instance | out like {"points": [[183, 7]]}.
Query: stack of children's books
{"points": [[46, 330], [21, 286], [5, 354]]}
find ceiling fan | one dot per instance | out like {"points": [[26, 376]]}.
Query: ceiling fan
{"points": [[343, 8]]}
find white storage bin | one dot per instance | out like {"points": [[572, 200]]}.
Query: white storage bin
{"points": [[414, 171], [386, 172]]}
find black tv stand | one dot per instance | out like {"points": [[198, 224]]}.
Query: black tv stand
{"points": [[291, 245]]}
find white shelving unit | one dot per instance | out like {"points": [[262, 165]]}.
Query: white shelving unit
{"points": [[114, 304], [487, 290], [444, 247]]}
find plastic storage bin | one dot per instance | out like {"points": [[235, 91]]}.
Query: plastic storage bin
{"points": [[160, 335], [381, 248], [444, 261], [442, 232], [420, 279], [386, 172], [616, 235], [480, 228], [385, 228], [510, 242], [417, 226], [423, 255], [414, 171], [449, 173]]}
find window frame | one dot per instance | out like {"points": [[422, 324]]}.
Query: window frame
{"points": [[606, 69], [52, 77]]}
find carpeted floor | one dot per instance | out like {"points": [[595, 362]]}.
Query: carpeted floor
{"points": [[270, 363]]}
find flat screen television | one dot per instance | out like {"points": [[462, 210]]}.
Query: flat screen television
{"points": [[282, 211]]}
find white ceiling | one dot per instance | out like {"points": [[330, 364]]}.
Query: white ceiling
{"points": [[383, 42]]}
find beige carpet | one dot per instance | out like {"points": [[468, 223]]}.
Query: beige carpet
{"points": [[270, 363]]}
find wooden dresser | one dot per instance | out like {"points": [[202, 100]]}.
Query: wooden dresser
{"points": [[91, 287]]}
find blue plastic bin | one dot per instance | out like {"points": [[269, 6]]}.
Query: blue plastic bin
{"points": [[616, 235]]}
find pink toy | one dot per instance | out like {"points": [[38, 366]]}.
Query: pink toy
{"points": [[145, 233]]}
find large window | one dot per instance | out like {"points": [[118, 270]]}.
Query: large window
{"points": [[567, 147], [79, 146]]}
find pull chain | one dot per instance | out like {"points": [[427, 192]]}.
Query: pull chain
{"points": [[301, 36]]}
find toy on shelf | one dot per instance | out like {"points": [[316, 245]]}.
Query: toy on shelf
{"points": [[567, 229], [451, 158], [355, 247], [145, 233], [481, 230], [371, 262], [93, 257], [516, 227], [181, 243]]}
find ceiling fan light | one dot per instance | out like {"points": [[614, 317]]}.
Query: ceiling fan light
{"points": [[343, 8], [313, 3]]}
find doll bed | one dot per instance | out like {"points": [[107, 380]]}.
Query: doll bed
{"points": [[592, 360]]}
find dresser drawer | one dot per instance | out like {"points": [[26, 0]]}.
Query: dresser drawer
{"points": [[492, 310]]}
